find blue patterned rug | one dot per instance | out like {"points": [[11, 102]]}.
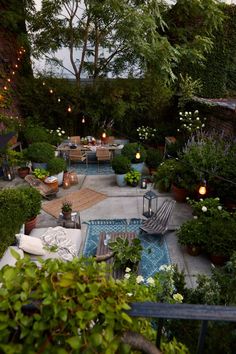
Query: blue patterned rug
{"points": [[92, 169], [155, 252]]}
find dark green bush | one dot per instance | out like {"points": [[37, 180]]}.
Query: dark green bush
{"points": [[154, 158], [56, 165], [34, 200], [120, 164], [40, 152], [34, 134], [13, 213], [130, 150]]}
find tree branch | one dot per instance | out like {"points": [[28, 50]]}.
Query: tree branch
{"points": [[139, 342]]}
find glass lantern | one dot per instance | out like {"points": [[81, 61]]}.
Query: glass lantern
{"points": [[149, 204], [143, 183], [8, 171]]}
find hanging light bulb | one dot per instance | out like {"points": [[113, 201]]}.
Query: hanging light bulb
{"points": [[16, 66], [83, 120], [58, 100], [51, 90], [69, 109], [104, 135], [9, 80], [18, 59], [13, 72], [44, 83], [5, 88], [138, 155], [202, 189]]}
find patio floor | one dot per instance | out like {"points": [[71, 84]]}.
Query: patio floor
{"points": [[127, 202]]}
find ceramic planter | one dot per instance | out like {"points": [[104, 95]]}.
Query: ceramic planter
{"points": [[120, 180], [30, 225]]}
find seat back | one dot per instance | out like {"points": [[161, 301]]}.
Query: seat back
{"points": [[159, 221], [77, 155], [103, 154], [75, 140]]}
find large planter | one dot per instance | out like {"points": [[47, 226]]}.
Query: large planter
{"points": [[30, 225], [193, 250], [138, 166], [23, 171], [218, 260], [179, 194], [120, 180]]}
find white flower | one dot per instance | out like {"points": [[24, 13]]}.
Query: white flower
{"points": [[187, 198], [129, 294], [204, 208], [58, 130], [195, 217], [203, 125], [180, 113], [201, 200], [178, 297], [196, 111], [139, 279], [219, 207], [127, 270], [59, 134], [63, 132], [150, 281], [127, 276], [217, 198]]}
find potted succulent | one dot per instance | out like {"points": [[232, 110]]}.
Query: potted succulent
{"points": [[153, 159], [40, 154], [121, 165], [56, 167], [133, 177], [34, 201], [192, 235], [126, 254], [66, 209], [131, 150]]}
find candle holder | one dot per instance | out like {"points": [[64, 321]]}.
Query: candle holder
{"points": [[149, 204], [8, 171]]}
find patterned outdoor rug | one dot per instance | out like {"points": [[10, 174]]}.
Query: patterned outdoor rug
{"points": [[81, 199], [93, 169], [155, 252]]}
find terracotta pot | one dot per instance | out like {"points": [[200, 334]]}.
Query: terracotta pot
{"points": [[179, 194], [66, 215], [218, 260], [193, 250], [23, 171], [30, 225]]}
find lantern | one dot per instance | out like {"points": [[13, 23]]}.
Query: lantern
{"points": [[73, 178], [66, 180], [8, 172], [143, 183], [202, 188], [149, 204]]}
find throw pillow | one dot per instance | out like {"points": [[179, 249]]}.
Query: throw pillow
{"points": [[31, 244]]}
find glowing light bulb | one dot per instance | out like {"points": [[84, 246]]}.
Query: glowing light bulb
{"points": [[13, 72], [9, 80], [18, 59], [83, 120], [59, 100], [44, 83], [69, 109], [5, 88], [104, 135], [16, 66], [138, 155], [202, 190], [51, 91]]}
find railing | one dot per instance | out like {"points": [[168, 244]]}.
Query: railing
{"points": [[203, 313]]}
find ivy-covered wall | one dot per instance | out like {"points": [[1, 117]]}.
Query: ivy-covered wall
{"points": [[219, 74]]}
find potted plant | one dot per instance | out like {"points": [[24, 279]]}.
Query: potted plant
{"points": [[13, 208], [56, 167], [40, 173], [133, 177], [130, 150], [153, 159], [183, 181], [33, 208], [40, 154], [22, 162], [36, 134], [126, 254], [164, 176], [66, 209], [121, 165], [192, 235]]}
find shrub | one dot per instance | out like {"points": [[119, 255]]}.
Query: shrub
{"points": [[130, 150], [56, 165], [40, 152], [133, 177], [120, 164], [154, 158], [192, 232], [164, 176], [35, 134], [34, 201], [13, 214]]}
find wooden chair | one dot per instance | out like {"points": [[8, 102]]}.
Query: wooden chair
{"points": [[158, 223], [103, 154], [75, 140], [77, 155]]}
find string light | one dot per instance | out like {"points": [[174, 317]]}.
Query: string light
{"points": [[51, 91], [5, 88], [69, 109], [104, 135], [83, 120], [59, 100], [202, 189], [9, 80]]}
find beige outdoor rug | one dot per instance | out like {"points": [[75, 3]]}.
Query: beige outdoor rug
{"points": [[81, 199]]}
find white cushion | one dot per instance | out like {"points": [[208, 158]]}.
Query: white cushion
{"points": [[31, 244], [73, 234], [8, 259]]}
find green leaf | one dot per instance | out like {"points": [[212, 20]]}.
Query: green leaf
{"points": [[96, 339], [15, 254], [74, 342], [126, 317], [63, 315]]}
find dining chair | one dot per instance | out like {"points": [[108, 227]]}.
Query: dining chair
{"points": [[75, 140], [103, 154], [77, 155]]}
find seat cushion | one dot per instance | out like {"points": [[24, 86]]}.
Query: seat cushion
{"points": [[30, 244], [73, 234]]}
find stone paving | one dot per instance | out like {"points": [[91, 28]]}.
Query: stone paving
{"points": [[127, 202]]}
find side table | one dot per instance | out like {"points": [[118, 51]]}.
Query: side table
{"points": [[73, 223]]}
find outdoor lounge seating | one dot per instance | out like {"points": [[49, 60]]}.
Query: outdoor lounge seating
{"points": [[158, 223]]}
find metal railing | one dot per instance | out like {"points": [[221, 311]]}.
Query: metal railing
{"points": [[204, 313]]}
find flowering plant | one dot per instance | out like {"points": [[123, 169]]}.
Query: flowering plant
{"points": [[146, 133], [66, 206], [57, 136], [206, 207], [190, 121]]}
